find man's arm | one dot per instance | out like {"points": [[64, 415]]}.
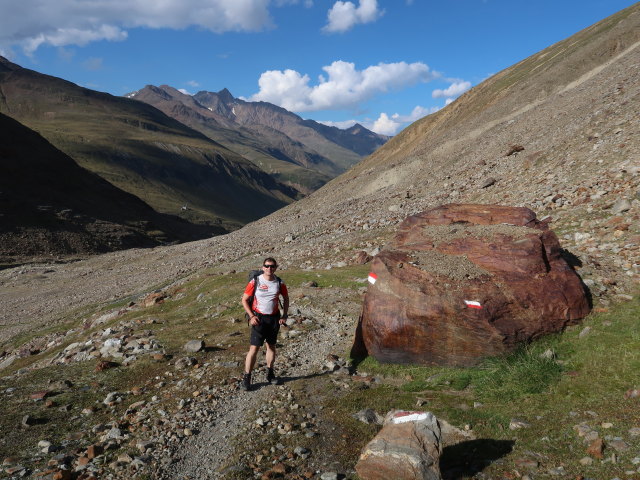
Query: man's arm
{"points": [[253, 320], [285, 308]]}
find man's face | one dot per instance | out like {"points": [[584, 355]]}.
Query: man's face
{"points": [[269, 268]]}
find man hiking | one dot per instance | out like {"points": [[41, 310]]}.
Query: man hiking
{"points": [[260, 301]]}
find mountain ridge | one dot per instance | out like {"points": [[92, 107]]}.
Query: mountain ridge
{"points": [[267, 134], [141, 150]]}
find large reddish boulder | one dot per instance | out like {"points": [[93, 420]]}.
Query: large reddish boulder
{"points": [[462, 282]]}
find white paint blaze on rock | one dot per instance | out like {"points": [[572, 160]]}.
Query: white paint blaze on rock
{"points": [[372, 278], [473, 304], [407, 447]]}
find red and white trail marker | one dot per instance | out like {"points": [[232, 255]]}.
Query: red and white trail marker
{"points": [[372, 278], [473, 304]]}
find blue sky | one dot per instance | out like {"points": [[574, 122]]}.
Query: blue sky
{"points": [[381, 63]]}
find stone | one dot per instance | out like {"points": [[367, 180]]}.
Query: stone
{"points": [[329, 476], [62, 475], [516, 424], [114, 434], [476, 281], [407, 447], [185, 362], [596, 448], [488, 182], [362, 257], [28, 421], [153, 299], [41, 395], [94, 450], [632, 393], [618, 445], [526, 462], [451, 435], [194, 346], [105, 365], [621, 206], [584, 332], [8, 361], [368, 416], [513, 150], [558, 471]]}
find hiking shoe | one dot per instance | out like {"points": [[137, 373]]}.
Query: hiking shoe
{"points": [[246, 382], [271, 377]]}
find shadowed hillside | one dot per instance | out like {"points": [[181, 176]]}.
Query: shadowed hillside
{"points": [[50, 206], [141, 150]]}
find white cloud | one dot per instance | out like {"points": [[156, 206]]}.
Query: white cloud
{"points": [[29, 24], [185, 92], [448, 101], [386, 125], [454, 90], [344, 87], [343, 125], [344, 15], [193, 83]]}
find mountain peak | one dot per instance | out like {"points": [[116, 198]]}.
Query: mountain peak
{"points": [[355, 128], [225, 95]]}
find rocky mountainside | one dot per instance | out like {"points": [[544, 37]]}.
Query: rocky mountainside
{"points": [[79, 213], [557, 133], [343, 147], [139, 149], [302, 153], [573, 110]]}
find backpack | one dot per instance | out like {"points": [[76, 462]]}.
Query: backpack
{"points": [[253, 275]]}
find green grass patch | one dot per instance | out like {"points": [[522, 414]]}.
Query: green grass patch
{"points": [[584, 381]]}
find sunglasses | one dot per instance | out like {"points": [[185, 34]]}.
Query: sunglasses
{"points": [[270, 266]]}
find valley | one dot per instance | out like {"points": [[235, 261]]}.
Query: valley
{"points": [[557, 133]]}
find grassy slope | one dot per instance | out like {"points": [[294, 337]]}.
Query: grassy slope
{"points": [[586, 382]]}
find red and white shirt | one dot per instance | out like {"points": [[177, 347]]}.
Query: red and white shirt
{"points": [[265, 300]]}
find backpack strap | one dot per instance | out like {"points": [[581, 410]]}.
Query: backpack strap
{"points": [[256, 282]]}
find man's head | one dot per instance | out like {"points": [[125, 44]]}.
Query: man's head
{"points": [[269, 266]]}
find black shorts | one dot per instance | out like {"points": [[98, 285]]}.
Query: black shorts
{"points": [[266, 331]]}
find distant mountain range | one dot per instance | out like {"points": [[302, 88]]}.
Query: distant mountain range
{"points": [[302, 153], [212, 160], [139, 149]]}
